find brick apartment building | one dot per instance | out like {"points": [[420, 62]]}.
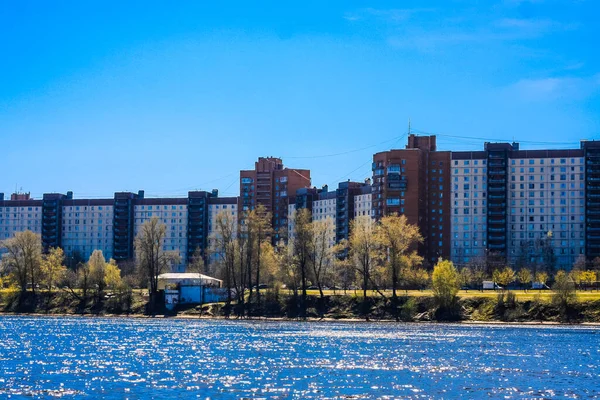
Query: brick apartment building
{"points": [[415, 182], [272, 185]]}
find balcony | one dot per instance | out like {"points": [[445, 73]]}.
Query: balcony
{"points": [[493, 221], [500, 238], [499, 246], [497, 188], [497, 213], [497, 230]]}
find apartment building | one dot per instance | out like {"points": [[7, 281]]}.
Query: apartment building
{"points": [[271, 184], [18, 214], [524, 206], [339, 206], [415, 182], [219, 206], [80, 226]]}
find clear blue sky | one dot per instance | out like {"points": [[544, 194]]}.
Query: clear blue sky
{"points": [[98, 97]]}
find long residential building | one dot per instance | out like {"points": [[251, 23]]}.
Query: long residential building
{"points": [[526, 206], [80, 226]]}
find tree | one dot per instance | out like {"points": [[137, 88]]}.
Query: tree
{"points": [[445, 282], [259, 223], [321, 252], [466, 276], [23, 258], [541, 277], [363, 251], [395, 238], [302, 243], [224, 248], [83, 280], [580, 263], [524, 277], [478, 267], [547, 250], [588, 277], [97, 266], [196, 264], [52, 268], [564, 290], [151, 258], [112, 275], [504, 276]]}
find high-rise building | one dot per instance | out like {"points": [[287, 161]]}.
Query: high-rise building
{"points": [[271, 184], [415, 182], [524, 206]]}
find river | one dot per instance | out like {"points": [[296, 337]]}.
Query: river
{"points": [[118, 358]]}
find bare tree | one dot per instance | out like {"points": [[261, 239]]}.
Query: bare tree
{"points": [[363, 250], [321, 256], [23, 258], [302, 251], [224, 248], [152, 260]]}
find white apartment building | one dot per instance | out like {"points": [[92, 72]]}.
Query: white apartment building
{"points": [[19, 218], [544, 206], [85, 228], [468, 196], [218, 207], [362, 205]]}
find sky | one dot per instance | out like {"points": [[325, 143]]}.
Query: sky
{"points": [[98, 97]]}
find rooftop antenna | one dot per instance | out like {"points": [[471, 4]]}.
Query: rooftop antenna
{"points": [[409, 126]]}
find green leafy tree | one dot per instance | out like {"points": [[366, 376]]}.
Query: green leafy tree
{"points": [[445, 282]]}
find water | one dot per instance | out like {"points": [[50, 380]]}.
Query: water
{"points": [[165, 358]]}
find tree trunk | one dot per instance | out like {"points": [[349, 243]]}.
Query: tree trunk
{"points": [[258, 278]]}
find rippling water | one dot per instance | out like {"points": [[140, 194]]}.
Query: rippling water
{"points": [[165, 358]]}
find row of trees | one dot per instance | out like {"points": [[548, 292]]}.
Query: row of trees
{"points": [[524, 277], [376, 256]]}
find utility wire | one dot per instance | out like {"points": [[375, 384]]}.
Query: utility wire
{"points": [[345, 152]]}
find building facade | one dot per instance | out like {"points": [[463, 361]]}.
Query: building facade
{"points": [[415, 182], [523, 206], [271, 184], [80, 226]]}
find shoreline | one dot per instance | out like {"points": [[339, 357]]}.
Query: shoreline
{"points": [[308, 320]]}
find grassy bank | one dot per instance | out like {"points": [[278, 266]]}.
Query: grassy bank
{"points": [[474, 306]]}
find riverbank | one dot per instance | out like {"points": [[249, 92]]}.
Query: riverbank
{"points": [[503, 308]]}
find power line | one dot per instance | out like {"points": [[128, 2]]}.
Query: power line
{"points": [[345, 152], [495, 139]]}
